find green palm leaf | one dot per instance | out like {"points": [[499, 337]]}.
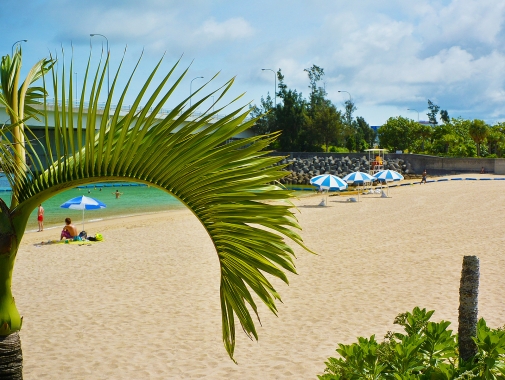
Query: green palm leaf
{"points": [[228, 187]]}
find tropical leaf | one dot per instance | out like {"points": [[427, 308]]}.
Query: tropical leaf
{"points": [[230, 188]]}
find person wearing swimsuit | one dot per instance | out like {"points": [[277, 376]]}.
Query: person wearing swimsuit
{"points": [[40, 217]]}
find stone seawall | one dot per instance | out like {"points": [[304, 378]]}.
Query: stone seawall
{"points": [[418, 162], [303, 169]]}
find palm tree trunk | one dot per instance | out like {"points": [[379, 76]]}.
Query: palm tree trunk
{"points": [[11, 357], [468, 307]]}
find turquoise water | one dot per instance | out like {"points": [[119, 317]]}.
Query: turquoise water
{"points": [[134, 200]]}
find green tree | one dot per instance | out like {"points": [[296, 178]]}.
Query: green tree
{"points": [[317, 94], [496, 139], [397, 133], [291, 117], [366, 135], [421, 134], [19, 101], [351, 129], [453, 139], [478, 132], [442, 138], [432, 115], [226, 186], [349, 110], [444, 115], [265, 116], [327, 123]]}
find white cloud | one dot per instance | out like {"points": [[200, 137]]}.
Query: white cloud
{"points": [[231, 29]]}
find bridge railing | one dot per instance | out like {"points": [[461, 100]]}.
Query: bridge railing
{"points": [[101, 105]]}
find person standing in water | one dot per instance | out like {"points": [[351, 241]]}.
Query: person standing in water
{"points": [[117, 194], [40, 217]]}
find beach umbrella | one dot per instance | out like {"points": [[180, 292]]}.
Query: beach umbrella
{"points": [[83, 203], [358, 178], [328, 182], [388, 176]]}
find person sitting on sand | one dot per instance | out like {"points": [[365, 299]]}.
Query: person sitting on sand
{"points": [[423, 180], [117, 194], [69, 231]]}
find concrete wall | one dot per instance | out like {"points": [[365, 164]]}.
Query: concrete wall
{"points": [[433, 164], [499, 166], [447, 165]]}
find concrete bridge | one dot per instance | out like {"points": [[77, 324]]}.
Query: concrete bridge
{"points": [[38, 127]]}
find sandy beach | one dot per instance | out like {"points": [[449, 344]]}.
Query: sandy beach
{"points": [[144, 304]]}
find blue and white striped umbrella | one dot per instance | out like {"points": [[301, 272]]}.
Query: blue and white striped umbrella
{"points": [[388, 176], [358, 178], [328, 182], [83, 203]]}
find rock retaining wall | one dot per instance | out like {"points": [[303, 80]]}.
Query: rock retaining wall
{"points": [[303, 169]]}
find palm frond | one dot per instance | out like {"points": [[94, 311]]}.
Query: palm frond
{"points": [[228, 187]]}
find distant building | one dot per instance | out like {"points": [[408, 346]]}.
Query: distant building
{"points": [[424, 122]]}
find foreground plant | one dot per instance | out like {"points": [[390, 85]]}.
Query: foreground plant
{"points": [[427, 350], [226, 186]]}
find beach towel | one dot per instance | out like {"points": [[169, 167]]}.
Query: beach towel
{"points": [[67, 241]]}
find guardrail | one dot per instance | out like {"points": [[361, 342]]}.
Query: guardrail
{"points": [[127, 108]]}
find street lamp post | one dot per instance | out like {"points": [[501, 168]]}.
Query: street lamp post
{"points": [[275, 86], [190, 91], [14, 44], [108, 56], [412, 109], [348, 93]]}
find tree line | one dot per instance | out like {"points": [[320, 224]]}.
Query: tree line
{"points": [[314, 124], [456, 137]]}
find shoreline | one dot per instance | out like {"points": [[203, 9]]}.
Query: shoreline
{"points": [[302, 195], [110, 219]]}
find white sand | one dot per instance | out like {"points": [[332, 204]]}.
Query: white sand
{"points": [[144, 304]]}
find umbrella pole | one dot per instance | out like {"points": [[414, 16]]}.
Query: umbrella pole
{"points": [[83, 219]]}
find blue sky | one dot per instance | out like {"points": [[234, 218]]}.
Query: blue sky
{"points": [[389, 55]]}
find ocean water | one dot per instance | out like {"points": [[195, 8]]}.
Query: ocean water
{"points": [[134, 200]]}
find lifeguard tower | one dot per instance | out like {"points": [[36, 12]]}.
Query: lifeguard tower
{"points": [[375, 160]]}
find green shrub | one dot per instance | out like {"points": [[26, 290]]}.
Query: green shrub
{"points": [[338, 149], [426, 350]]}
